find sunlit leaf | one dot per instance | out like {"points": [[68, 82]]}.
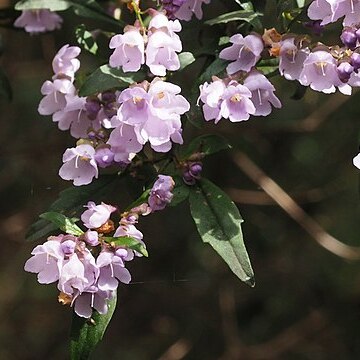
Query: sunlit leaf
{"points": [[218, 222]]}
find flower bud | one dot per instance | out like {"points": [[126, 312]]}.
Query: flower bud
{"points": [[188, 178], [68, 247], [91, 238], [345, 70], [349, 38], [104, 157], [195, 170], [355, 61]]}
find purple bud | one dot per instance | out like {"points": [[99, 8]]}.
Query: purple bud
{"points": [[345, 70], [92, 238], [104, 157], [92, 107], [195, 170], [108, 97], [349, 38], [188, 178], [355, 61], [68, 247], [121, 253], [357, 32]]}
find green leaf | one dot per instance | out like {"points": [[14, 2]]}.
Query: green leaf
{"points": [[215, 68], [239, 15], [127, 242], [5, 87], [207, 144], [62, 222], [72, 200], [300, 3], [218, 222], [247, 5], [52, 5], [186, 58], [87, 333], [268, 67], [106, 77], [91, 9], [85, 39], [181, 191]]}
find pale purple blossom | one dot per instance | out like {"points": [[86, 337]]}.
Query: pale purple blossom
{"points": [[96, 215], [79, 165], [46, 261], [129, 50], [320, 72], [96, 299], [91, 238], [38, 21], [55, 95], [161, 193], [104, 156], [262, 91], [237, 105], [112, 270], [245, 52], [163, 45], [124, 143], [172, 6], [74, 117], [189, 8], [211, 95], [291, 59], [65, 61]]}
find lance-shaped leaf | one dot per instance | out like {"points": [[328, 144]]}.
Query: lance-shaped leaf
{"points": [[86, 333], [62, 222], [239, 15], [186, 58], [127, 242], [85, 39], [72, 200], [206, 144], [218, 222], [106, 77]]}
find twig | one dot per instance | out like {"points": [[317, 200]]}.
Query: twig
{"points": [[177, 351], [323, 238]]}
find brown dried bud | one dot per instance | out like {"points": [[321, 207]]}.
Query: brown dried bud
{"points": [[64, 299], [106, 228]]}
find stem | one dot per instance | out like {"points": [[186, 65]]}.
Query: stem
{"points": [[138, 13]]}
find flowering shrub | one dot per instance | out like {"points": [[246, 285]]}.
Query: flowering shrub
{"points": [[130, 113]]}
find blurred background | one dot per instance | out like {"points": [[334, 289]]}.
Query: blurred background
{"points": [[184, 303]]}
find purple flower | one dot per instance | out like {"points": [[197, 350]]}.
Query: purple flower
{"points": [[129, 50], [74, 117], [163, 45], [262, 92], [190, 7], [89, 300], [65, 62], [46, 261], [54, 99], [171, 7], [96, 215], [127, 229], [124, 143], [211, 95], [38, 21], [112, 270], [236, 105], [79, 165], [291, 59], [245, 52], [161, 193], [320, 72]]}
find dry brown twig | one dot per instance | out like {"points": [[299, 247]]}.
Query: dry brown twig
{"points": [[287, 203]]}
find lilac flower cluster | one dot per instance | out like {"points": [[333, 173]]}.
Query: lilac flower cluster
{"points": [[85, 281], [158, 49], [38, 21], [112, 127]]}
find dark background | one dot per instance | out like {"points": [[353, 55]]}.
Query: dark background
{"points": [[184, 303]]}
